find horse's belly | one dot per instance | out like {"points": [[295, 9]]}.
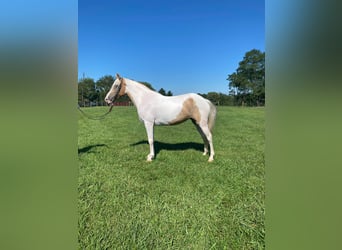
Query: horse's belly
{"points": [[166, 116]]}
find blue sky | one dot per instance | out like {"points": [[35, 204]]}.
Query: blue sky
{"points": [[179, 45]]}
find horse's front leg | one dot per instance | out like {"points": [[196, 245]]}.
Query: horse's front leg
{"points": [[149, 130]]}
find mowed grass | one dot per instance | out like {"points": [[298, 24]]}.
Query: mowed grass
{"points": [[179, 201]]}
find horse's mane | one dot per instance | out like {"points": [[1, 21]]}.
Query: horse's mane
{"points": [[140, 84]]}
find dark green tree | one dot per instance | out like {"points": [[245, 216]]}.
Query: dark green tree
{"points": [[87, 93], [247, 84], [214, 97], [162, 91], [169, 93], [219, 99], [103, 85]]}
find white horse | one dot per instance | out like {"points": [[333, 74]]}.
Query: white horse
{"points": [[156, 109]]}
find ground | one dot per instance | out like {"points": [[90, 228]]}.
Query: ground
{"points": [[178, 201]]}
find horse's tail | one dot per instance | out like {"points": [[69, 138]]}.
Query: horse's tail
{"points": [[212, 116]]}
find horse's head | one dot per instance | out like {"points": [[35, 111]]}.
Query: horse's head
{"points": [[117, 89]]}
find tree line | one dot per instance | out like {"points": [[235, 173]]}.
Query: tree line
{"points": [[246, 86]]}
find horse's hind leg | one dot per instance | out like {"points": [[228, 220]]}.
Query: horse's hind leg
{"points": [[205, 140], [149, 131], [205, 129]]}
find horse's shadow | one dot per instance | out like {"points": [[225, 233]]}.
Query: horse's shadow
{"points": [[159, 146], [88, 149]]}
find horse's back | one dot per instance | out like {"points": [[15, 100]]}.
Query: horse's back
{"points": [[201, 102]]}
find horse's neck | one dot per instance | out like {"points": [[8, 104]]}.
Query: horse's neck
{"points": [[138, 92]]}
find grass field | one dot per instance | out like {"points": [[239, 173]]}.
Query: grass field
{"points": [[178, 201]]}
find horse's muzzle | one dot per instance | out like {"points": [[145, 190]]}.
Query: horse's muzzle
{"points": [[109, 101]]}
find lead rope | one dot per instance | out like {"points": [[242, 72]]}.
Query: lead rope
{"points": [[95, 117]]}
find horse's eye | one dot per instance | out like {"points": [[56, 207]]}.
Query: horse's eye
{"points": [[116, 86]]}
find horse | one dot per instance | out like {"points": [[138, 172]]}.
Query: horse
{"points": [[156, 109]]}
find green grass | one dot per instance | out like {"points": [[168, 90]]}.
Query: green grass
{"points": [[178, 201]]}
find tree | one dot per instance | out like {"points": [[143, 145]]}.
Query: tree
{"points": [[86, 91], [103, 85], [219, 98], [247, 84], [162, 91], [214, 97]]}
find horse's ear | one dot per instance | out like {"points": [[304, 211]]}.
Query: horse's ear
{"points": [[118, 76]]}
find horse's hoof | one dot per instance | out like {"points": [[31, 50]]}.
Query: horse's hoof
{"points": [[211, 160], [149, 158]]}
